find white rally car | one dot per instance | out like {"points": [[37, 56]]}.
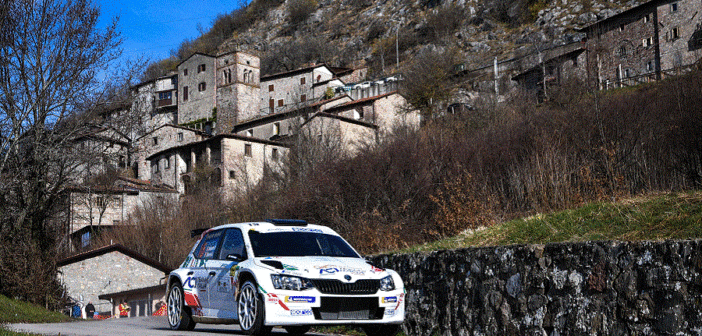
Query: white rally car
{"points": [[282, 273]]}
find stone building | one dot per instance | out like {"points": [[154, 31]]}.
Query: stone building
{"points": [[282, 125], [99, 150], [92, 208], [94, 274], [334, 131], [385, 111], [197, 99], [227, 162], [159, 139], [644, 43], [293, 89]]}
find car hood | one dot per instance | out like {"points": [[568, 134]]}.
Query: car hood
{"points": [[323, 267]]}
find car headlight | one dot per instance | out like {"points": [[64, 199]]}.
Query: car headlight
{"points": [[290, 282], [386, 283]]}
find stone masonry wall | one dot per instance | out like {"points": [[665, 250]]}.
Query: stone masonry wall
{"points": [[109, 273], [594, 288]]}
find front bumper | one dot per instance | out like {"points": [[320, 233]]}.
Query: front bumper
{"points": [[306, 308]]}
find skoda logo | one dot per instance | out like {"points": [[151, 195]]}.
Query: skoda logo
{"points": [[347, 277]]}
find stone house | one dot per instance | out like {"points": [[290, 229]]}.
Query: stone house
{"points": [[159, 139], [293, 89], [282, 125], [92, 208], [230, 162], [99, 150], [644, 43], [94, 276], [334, 131], [386, 111]]}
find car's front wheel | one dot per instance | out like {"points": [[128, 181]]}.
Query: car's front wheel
{"points": [[251, 311], [179, 315], [381, 329]]}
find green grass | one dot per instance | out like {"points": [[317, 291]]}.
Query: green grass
{"points": [[14, 311], [653, 217]]}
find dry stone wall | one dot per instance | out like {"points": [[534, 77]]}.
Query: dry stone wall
{"points": [[594, 288]]}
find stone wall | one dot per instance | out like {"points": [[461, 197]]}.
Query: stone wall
{"points": [[108, 273], [595, 288]]}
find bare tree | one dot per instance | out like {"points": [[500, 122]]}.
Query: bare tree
{"points": [[52, 56], [427, 84]]}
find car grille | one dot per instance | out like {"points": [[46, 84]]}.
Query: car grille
{"points": [[348, 308], [360, 287]]}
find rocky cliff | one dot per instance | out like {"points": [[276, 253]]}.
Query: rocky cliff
{"points": [[350, 30]]}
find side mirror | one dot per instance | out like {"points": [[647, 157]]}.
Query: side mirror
{"points": [[235, 257]]}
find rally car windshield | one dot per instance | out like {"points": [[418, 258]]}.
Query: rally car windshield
{"points": [[299, 244]]}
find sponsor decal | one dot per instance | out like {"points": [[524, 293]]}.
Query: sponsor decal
{"points": [[191, 299], [376, 270], [296, 299], [295, 229], [201, 283], [331, 269], [223, 286], [189, 283], [390, 312], [272, 298], [390, 299], [301, 312], [399, 301], [290, 268]]}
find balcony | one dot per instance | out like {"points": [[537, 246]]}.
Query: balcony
{"points": [[164, 102]]}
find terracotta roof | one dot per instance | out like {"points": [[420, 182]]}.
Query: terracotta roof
{"points": [[217, 137], [174, 126], [338, 117], [108, 296], [293, 72], [112, 248], [362, 101]]}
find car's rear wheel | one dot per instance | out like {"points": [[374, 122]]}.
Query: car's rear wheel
{"points": [[179, 315], [297, 330], [381, 329], [251, 311]]}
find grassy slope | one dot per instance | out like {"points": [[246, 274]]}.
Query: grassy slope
{"points": [[13, 311], [653, 217]]}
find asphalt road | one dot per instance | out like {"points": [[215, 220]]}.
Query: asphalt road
{"points": [[146, 326]]}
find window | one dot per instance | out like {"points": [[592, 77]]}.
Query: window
{"points": [[271, 105], [202, 86], [115, 222], [154, 167], [208, 245], [647, 42], [274, 154], [232, 175], [185, 72], [201, 68], [649, 66], [627, 73], [247, 150], [185, 93], [675, 33], [155, 141], [302, 81], [271, 88], [621, 27], [233, 244], [280, 102], [249, 133], [276, 128], [622, 52], [164, 95], [180, 136], [303, 98], [645, 18], [167, 163], [674, 7]]}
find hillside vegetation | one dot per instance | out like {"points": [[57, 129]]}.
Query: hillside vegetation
{"points": [[467, 170], [646, 217]]}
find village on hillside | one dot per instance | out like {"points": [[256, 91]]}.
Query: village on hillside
{"points": [[217, 111]]}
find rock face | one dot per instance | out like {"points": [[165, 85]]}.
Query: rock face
{"points": [[596, 288]]}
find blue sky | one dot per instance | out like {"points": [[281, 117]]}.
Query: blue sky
{"points": [[152, 28]]}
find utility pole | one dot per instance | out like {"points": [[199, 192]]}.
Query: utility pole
{"points": [[497, 77], [397, 48]]}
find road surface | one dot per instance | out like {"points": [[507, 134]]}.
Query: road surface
{"points": [[147, 326]]}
